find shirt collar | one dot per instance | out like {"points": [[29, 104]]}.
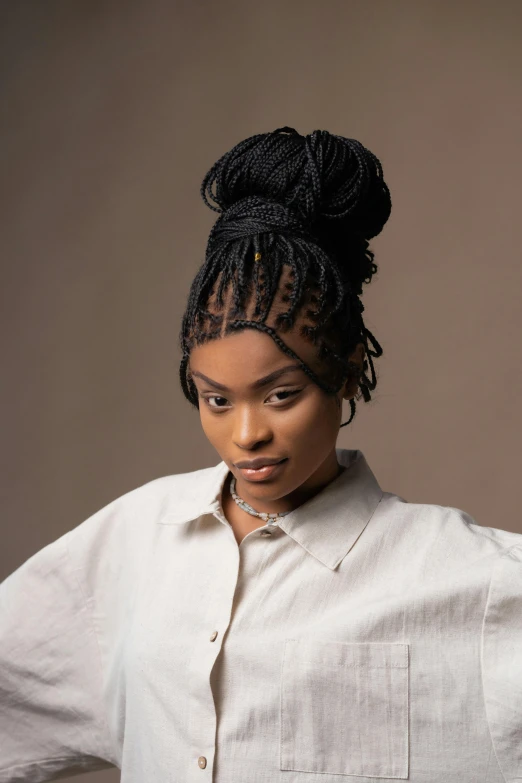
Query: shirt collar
{"points": [[327, 526]]}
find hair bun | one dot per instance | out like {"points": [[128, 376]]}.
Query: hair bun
{"points": [[322, 176], [252, 215], [327, 186]]}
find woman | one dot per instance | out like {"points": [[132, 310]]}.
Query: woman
{"points": [[277, 616]]}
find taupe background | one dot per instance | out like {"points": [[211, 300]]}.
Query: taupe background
{"points": [[111, 114]]}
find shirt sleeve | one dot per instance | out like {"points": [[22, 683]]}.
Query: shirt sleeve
{"points": [[52, 716], [502, 662]]}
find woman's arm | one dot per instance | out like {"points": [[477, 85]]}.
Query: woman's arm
{"points": [[52, 716], [502, 662]]}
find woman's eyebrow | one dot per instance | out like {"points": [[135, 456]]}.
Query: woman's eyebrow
{"points": [[257, 384]]}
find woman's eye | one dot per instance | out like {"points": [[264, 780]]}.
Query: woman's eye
{"points": [[289, 393], [220, 400], [214, 398]]}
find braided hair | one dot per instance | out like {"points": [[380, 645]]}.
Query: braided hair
{"points": [[290, 251]]}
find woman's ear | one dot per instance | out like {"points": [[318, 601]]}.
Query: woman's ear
{"points": [[351, 385]]}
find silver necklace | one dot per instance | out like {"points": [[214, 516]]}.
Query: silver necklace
{"points": [[272, 519]]}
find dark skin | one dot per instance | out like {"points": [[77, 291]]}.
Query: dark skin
{"points": [[244, 423], [289, 417]]}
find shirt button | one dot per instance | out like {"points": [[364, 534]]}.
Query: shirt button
{"points": [[213, 636], [266, 532], [202, 762]]}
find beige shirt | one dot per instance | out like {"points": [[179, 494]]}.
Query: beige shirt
{"points": [[365, 637]]}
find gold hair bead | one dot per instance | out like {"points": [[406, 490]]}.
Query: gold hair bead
{"points": [[257, 257]]}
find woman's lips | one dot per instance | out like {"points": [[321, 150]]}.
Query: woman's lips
{"points": [[261, 473]]}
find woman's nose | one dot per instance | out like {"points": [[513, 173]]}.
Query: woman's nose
{"points": [[250, 427]]}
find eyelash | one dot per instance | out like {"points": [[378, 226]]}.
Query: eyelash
{"points": [[289, 392]]}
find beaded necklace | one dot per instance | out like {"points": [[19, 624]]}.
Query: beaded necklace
{"points": [[272, 519]]}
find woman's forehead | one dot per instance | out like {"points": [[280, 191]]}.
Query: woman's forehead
{"points": [[249, 348], [240, 359]]}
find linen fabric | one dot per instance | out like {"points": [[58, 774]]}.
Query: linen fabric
{"points": [[365, 638]]}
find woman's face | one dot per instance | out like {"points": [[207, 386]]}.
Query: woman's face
{"points": [[288, 417]]}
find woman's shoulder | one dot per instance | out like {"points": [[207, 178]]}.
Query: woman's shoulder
{"points": [[448, 532], [178, 494], [160, 497]]}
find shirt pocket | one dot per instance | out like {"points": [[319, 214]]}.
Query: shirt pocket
{"points": [[345, 708]]}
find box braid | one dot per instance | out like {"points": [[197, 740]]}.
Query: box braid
{"points": [[291, 248]]}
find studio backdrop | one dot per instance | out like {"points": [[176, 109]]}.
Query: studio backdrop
{"points": [[111, 114]]}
